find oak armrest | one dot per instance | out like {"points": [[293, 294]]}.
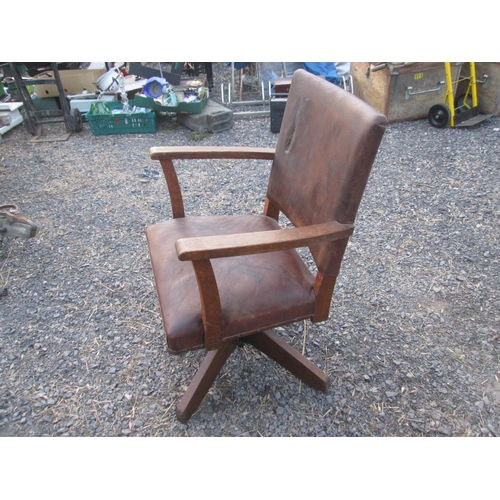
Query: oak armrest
{"points": [[210, 152], [200, 250], [167, 154], [214, 247]]}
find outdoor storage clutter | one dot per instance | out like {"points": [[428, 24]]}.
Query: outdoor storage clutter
{"points": [[159, 95], [181, 107], [106, 118]]}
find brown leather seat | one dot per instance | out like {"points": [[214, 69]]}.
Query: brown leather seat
{"points": [[221, 279], [256, 291]]}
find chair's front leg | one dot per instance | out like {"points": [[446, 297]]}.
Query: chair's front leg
{"points": [[211, 312], [203, 380]]}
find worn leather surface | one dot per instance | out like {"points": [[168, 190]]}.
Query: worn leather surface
{"points": [[256, 292], [325, 151]]}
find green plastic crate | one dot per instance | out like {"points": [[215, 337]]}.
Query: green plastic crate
{"points": [[122, 123]]}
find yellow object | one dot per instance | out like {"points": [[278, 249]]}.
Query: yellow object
{"points": [[450, 93]]}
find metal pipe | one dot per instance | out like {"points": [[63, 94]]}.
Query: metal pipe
{"points": [[232, 82]]}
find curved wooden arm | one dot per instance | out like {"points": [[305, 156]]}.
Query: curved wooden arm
{"points": [[200, 250], [174, 188], [166, 154], [230, 245], [210, 152]]}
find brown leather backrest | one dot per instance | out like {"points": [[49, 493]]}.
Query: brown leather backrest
{"points": [[326, 148]]}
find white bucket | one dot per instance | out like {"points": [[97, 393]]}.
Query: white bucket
{"points": [[109, 82]]}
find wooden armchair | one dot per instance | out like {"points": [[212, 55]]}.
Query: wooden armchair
{"points": [[224, 280]]}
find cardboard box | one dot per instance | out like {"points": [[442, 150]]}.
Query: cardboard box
{"points": [[74, 81]]}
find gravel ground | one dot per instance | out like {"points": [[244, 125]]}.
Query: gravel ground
{"points": [[412, 344]]}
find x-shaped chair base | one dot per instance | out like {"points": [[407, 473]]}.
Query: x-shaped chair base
{"points": [[267, 342]]}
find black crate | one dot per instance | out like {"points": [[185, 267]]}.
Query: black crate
{"points": [[277, 111]]}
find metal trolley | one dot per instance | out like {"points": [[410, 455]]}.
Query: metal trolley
{"points": [[35, 118], [461, 110]]}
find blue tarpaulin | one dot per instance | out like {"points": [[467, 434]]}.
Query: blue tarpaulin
{"points": [[269, 71], [326, 69]]}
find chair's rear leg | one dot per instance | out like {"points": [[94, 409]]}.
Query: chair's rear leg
{"points": [[203, 380], [288, 357]]}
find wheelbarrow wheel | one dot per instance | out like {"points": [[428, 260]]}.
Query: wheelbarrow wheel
{"points": [[76, 120], [463, 104], [439, 115]]}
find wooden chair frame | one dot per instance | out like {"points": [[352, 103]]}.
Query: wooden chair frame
{"points": [[200, 251], [322, 161]]}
